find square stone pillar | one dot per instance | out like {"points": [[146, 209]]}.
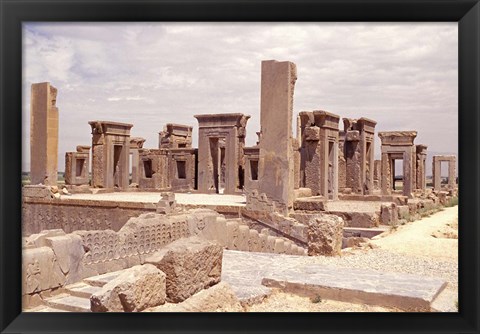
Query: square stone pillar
{"points": [[43, 134], [319, 160], [276, 160], [136, 143], [421, 156]]}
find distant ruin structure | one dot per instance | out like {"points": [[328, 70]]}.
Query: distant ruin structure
{"points": [[357, 155], [175, 136], [221, 139], [437, 171], [43, 134], [110, 154], [77, 166], [136, 143], [319, 153], [398, 145], [421, 157]]}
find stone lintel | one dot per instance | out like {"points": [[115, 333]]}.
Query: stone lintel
{"points": [[221, 120], [397, 138], [110, 128], [251, 151], [83, 148], [366, 124], [444, 158], [136, 142]]}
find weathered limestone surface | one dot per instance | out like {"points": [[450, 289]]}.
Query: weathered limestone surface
{"points": [[110, 154], [136, 289], [389, 214], [358, 155], [363, 286], [37, 191], [276, 160], [77, 166], [153, 169], [218, 298], [319, 153], [191, 264], [136, 143], [41, 270], [43, 134], [325, 233]]}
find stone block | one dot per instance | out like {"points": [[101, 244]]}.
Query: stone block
{"points": [[270, 247], [263, 242], [41, 270], [253, 241], [352, 135], [325, 233], [389, 214], [279, 246], [403, 211], [191, 264], [218, 298], [37, 191], [312, 133], [242, 240], [136, 289], [69, 252], [231, 232]]}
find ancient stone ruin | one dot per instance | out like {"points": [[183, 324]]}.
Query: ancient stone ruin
{"points": [[152, 234], [43, 134]]}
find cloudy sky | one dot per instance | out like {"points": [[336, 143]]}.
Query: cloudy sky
{"points": [[402, 75]]}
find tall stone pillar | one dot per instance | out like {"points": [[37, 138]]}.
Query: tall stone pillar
{"points": [[43, 134], [421, 156], [276, 161], [436, 171]]}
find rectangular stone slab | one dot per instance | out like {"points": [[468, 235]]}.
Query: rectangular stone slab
{"points": [[402, 291]]}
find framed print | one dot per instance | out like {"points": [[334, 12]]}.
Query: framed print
{"points": [[241, 167]]}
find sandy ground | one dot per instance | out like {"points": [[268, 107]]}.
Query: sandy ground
{"points": [[425, 247]]}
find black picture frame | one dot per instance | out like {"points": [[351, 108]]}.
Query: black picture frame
{"points": [[14, 12]]}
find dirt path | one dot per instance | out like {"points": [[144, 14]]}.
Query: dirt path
{"points": [[426, 247], [434, 237]]}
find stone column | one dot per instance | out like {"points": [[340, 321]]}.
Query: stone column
{"points": [[386, 175], [436, 171], [408, 172], [421, 154], [276, 163], [451, 173], [43, 134]]}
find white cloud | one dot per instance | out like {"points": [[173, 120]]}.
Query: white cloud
{"points": [[402, 75]]}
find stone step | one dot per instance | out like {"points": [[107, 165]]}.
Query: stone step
{"points": [[394, 290], [69, 303], [82, 290], [101, 280], [43, 308]]}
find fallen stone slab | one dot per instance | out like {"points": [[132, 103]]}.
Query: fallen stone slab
{"points": [[402, 291], [218, 298], [134, 290], [190, 264]]}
